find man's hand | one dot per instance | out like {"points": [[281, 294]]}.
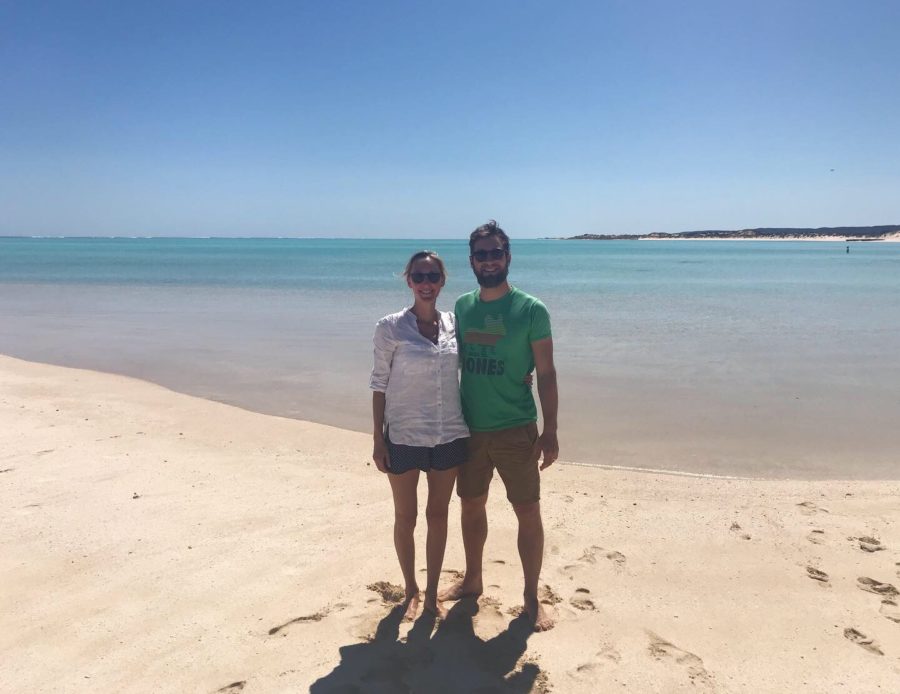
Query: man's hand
{"points": [[549, 448], [381, 456]]}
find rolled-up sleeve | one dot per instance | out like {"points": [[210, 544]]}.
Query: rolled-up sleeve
{"points": [[384, 355]]}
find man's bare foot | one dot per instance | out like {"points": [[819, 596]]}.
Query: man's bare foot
{"points": [[411, 601], [435, 606], [462, 588], [538, 615]]}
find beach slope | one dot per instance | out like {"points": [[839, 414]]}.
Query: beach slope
{"points": [[159, 542]]}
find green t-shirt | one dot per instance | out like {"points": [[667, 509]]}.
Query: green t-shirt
{"points": [[494, 339]]}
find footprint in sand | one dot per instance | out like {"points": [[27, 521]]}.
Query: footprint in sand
{"points": [[870, 585], [890, 610], [590, 555], [816, 574], [661, 649], [808, 508], [610, 654], [317, 617], [604, 659], [547, 596], [817, 537], [862, 640], [582, 603], [736, 528], [869, 544], [489, 609], [489, 613], [390, 593], [233, 687]]}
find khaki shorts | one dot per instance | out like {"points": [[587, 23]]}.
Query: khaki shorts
{"points": [[512, 452]]}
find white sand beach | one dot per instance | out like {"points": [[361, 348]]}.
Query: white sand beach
{"points": [[158, 542]]}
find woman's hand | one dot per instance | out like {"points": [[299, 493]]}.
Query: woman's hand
{"points": [[529, 379], [380, 455]]}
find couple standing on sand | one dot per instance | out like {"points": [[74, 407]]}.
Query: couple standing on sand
{"points": [[459, 428]]}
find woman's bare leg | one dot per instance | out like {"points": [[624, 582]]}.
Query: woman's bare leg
{"points": [[440, 488], [403, 487]]}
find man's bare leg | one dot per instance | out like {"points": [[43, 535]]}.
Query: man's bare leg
{"points": [[531, 552], [403, 488], [440, 487], [474, 532]]}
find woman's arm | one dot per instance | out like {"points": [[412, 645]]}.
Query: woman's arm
{"points": [[381, 375], [379, 450]]}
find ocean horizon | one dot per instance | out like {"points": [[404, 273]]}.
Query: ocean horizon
{"points": [[773, 359]]}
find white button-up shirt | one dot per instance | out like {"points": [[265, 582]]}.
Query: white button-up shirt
{"points": [[419, 379]]}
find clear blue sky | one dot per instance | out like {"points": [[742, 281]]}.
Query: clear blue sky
{"points": [[423, 119]]}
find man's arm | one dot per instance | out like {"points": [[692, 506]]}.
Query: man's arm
{"points": [[549, 396]]}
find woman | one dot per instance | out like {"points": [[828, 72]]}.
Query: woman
{"points": [[418, 420]]}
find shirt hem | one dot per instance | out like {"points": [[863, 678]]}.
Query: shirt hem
{"points": [[517, 423]]}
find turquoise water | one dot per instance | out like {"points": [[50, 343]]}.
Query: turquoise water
{"points": [[578, 266], [747, 358]]}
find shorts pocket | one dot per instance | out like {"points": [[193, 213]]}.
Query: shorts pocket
{"points": [[530, 434]]}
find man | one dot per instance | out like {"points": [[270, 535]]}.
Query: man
{"points": [[503, 334]]}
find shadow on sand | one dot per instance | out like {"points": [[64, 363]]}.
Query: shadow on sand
{"points": [[451, 659]]}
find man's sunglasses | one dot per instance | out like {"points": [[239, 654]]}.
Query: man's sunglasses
{"points": [[419, 277], [493, 254]]}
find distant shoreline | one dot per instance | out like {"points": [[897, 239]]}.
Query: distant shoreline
{"points": [[841, 234], [832, 239]]}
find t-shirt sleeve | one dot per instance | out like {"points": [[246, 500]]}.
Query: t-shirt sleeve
{"points": [[540, 322], [384, 356]]}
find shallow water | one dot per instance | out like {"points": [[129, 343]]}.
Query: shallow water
{"points": [[770, 359]]}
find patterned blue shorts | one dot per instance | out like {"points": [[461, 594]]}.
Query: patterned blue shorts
{"points": [[444, 456]]}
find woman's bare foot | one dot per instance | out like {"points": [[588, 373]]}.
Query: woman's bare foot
{"points": [[462, 588], [411, 602], [435, 606], [540, 618]]}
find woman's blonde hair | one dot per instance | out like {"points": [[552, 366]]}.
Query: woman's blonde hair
{"points": [[425, 254]]}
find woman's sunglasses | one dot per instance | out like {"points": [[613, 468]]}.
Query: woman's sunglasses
{"points": [[419, 277], [493, 254]]}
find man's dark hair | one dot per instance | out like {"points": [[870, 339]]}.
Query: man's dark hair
{"points": [[490, 228]]}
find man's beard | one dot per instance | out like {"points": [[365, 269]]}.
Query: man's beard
{"points": [[492, 280]]}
